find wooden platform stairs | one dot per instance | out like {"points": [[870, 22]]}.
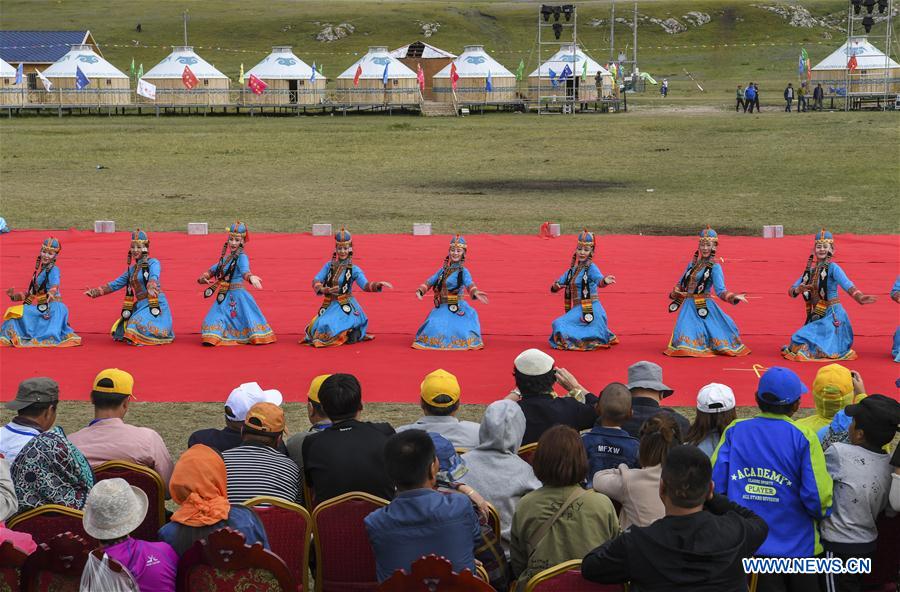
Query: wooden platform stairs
{"points": [[438, 109]]}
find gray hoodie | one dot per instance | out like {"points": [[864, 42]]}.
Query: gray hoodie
{"points": [[495, 470]]}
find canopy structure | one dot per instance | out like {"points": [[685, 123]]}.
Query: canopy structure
{"points": [[84, 58], [428, 57], [289, 80], [6, 70], [173, 66], [107, 85], [10, 94], [473, 66], [211, 88], [363, 82], [282, 64], [573, 57], [373, 65], [868, 57], [875, 73], [580, 85]]}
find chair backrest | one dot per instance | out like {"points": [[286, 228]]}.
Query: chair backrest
{"points": [[309, 497], [344, 557], [289, 528], [494, 520], [11, 560], [433, 574], [566, 577], [222, 562], [45, 522], [148, 481], [56, 564], [526, 452]]}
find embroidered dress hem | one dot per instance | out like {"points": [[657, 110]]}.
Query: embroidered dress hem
{"points": [[254, 339], [440, 344], [237, 320], [452, 331], [800, 353], [558, 341], [828, 339], [26, 326], [71, 340], [143, 328], [696, 337], [684, 351], [321, 339]]}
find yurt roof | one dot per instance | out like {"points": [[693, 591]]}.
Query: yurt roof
{"points": [[868, 57], [574, 58], [173, 65], [373, 66], [427, 51], [282, 64], [6, 70], [84, 57], [474, 62]]}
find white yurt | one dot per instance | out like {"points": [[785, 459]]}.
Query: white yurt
{"points": [[289, 79], [108, 85], [473, 67], [402, 86], [539, 84], [212, 85], [872, 67], [10, 94], [432, 60]]}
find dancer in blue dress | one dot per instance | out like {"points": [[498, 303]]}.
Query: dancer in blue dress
{"points": [[340, 319], [583, 327], [703, 329], [145, 318], [895, 296], [42, 320], [827, 334], [234, 318], [453, 323]]}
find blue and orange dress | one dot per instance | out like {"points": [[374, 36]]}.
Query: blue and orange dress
{"points": [[42, 320], [702, 329], [895, 296]]}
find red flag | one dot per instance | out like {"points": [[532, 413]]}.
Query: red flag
{"points": [[357, 75], [188, 78], [453, 75], [851, 64], [257, 85], [420, 76]]}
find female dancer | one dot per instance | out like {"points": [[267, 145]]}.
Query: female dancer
{"points": [[702, 329], [895, 296], [234, 318], [827, 335], [583, 326], [340, 319], [42, 320], [145, 318], [452, 324]]}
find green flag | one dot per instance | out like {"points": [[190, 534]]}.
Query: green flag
{"points": [[584, 70], [140, 73], [241, 78], [132, 67], [321, 70], [520, 70]]}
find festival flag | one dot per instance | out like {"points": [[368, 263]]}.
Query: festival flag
{"points": [[48, 86], [20, 73], [420, 76], [132, 68], [312, 76], [584, 70], [241, 77], [520, 71], [454, 76], [357, 75], [190, 81], [140, 73], [804, 57], [566, 73], [384, 75], [257, 85], [81, 80], [146, 89], [489, 83], [851, 63], [553, 77]]}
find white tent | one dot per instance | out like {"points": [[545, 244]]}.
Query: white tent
{"points": [[173, 66], [282, 64], [6, 71], [83, 57], [573, 57], [107, 85], [868, 57], [212, 85], [875, 73], [10, 94], [289, 81], [474, 62], [473, 66], [373, 64], [575, 87], [428, 52], [402, 86]]}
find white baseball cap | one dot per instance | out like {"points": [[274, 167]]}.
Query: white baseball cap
{"points": [[715, 398], [246, 396], [533, 362]]}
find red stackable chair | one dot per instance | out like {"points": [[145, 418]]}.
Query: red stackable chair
{"points": [[288, 527]]}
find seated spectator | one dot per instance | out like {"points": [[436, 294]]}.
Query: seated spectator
{"points": [[439, 394], [318, 421], [35, 403], [535, 375], [51, 470], [9, 504], [560, 521], [495, 469], [895, 481], [776, 469], [838, 429], [199, 487], [237, 404], [349, 455], [451, 466], [257, 467], [647, 390], [638, 489], [108, 437], [715, 412], [696, 547], [833, 389], [861, 471], [113, 510], [420, 521], [607, 445]]}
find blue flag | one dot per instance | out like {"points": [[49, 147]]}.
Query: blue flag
{"points": [[567, 72], [553, 77], [312, 77], [19, 73], [81, 80], [384, 77], [489, 83]]}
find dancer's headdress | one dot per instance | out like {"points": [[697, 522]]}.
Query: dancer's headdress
{"points": [[51, 244], [239, 230], [139, 238]]}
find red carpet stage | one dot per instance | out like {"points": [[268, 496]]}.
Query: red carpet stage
{"points": [[515, 271]]}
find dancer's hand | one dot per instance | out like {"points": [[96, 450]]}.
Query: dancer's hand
{"points": [[802, 289], [481, 297], [11, 292], [741, 298], [383, 285], [867, 299], [555, 287], [153, 291], [421, 290], [896, 296], [609, 280], [256, 282], [92, 292]]}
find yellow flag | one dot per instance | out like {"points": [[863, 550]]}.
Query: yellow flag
{"points": [[241, 79]]}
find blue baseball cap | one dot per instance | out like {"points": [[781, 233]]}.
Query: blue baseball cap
{"points": [[780, 386], [452, 466]]}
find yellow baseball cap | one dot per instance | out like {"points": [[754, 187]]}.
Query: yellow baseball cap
{"points": [[314, 387], [114, 382], [440, 382]]}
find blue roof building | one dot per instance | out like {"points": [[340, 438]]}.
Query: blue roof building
{"points": [[41, 47]]}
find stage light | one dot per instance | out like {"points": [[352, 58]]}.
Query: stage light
{"points": [[557, 29], [568, 9], [857, 4], [882, 6], [868, 21], [546, 10], [556, 12], [869, 4]]}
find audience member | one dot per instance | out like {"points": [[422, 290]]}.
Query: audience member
{"points": [[108, 437], [349, 455], [495, 469], [833, 389], [199, 487], [51, 470], [451, 465], [420, 521], [440, 402], [647, 390], [318, 421], [696, 547], [237, 404], [862, 479], [35, 406], [777, 469], [535, 376], [895, 481], [638, 489], [113, 511], [560, 521], [715, 412], [607, 444], [9, 504], [257, 467]]}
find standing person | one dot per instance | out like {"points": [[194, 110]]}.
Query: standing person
{"points": [[583, 327], [146, 318], [439, 399], [739, 98], [35, 406], [802, 100], [756, 96], [715, 412], [827, 333], [340, 318], [42, 320], [664, 89], [749, 97], [818, 97], [702, 329], [234, 318], [453, 323], [789, 97]]}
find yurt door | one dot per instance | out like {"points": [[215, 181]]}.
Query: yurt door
{"points": [[292, 91]]}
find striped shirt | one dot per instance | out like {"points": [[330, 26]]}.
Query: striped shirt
{"points": [[255, 469]]}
